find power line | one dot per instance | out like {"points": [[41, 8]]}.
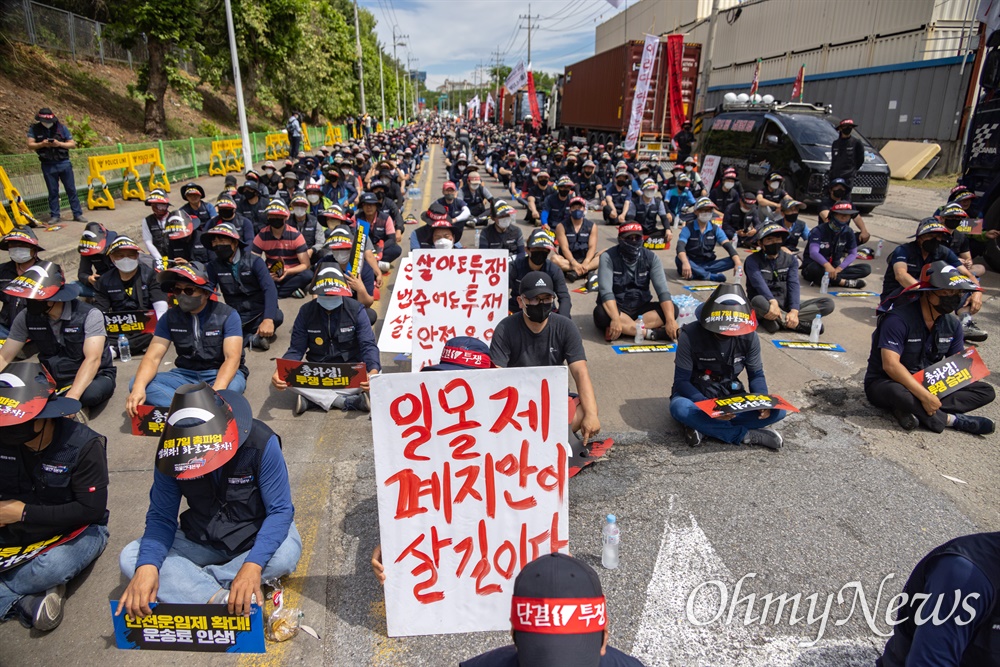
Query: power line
{"points": [[597, 13], [562, 12]]}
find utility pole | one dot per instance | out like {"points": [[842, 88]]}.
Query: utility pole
{"points": [[414, 87], [706, 71], [241, 111], [397, 41], [361, 65], [381, 83], [530, 19]]}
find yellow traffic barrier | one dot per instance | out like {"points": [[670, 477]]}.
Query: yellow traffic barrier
{"points": [[333, 135], [98, 194], [6, 224], [151, 156], [21, 214], [305, 138], [276, 146], [227, 156]]}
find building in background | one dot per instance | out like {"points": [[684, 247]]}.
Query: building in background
{"points": [[894, 66]]}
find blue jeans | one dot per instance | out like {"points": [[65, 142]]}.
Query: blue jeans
{"points": [[56, 566], [161, 390], [53, 172], [299, 281], [733, 431], [193, 572], [86, 289], [704, 270]]}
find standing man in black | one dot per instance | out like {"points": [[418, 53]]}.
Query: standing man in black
{"points": [[847, 153], [52, 141], [684, 140]]}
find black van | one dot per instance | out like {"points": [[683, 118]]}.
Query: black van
{"points": [[792, 139]]}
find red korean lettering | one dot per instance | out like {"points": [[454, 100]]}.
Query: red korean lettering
{"points": [[508, 548], [426, 565], [419, 409], [468, 488], [509, 396], [465, 401], [482, 568], [411, 489]]}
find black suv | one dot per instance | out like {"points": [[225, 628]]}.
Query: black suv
{"points": [[794, 140]]}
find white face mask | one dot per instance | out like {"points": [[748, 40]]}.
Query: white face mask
{"points": [[774, 184], [127, 264], [705, 217], [269, 171], [649, 194], [329, 302], [444, 244], [688, 168], [20, 255], [728, 185], [300, 212], [341, 256], [312, 198], [503, 223]]}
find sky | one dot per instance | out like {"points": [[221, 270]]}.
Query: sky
{"points": [[450, 37]]}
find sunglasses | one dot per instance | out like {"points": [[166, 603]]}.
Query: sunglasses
{"points": [[186, 291]]}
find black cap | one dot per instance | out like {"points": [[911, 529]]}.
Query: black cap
{"points": [[537, 283]]}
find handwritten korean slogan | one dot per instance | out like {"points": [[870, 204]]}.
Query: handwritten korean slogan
{"points": [[471, 473]]}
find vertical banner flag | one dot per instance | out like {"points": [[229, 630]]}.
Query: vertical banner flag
{"points": [[471, 471], [500, 101], [536, 115], [756, 79], [649, 49], [517, 79], [461, 110], [397, 327], [490, 105], [456, 293], [675, 93], [799, 84]]}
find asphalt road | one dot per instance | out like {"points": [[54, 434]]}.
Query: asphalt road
{"points": [[850, 498]]}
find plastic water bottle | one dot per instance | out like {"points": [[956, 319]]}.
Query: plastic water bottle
{"points": [[610, 537], [824, 285], [640, 331], [739, 274], [815, 328], [479, 233], [124, 349], [878, 248]]}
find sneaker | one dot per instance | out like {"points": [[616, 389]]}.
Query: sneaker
{"points": [[113, 349], [43, 612], [80, 218], [359, 402], [907, 420], [657, 334], [853, 284], [572, 276], [298, 294], [692, 437], [384, 267], [717, 277], [764, 437], [974, 425], [54, 220], [260, 343], [81, 417], [301, 405], [974, 334]]}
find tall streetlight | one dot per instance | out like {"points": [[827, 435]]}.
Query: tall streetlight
{"points": [[397, 40], [241, 111], [381, 83], [361, 64]]}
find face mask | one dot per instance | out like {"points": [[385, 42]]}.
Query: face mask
{"points": [[539, 312], [47, 124], [728, 185], [577, 214], [127, 264], [948, 304], [223, 251], [951, 223], [503, 223], [37, 307], [227, 213], [341, 256], [20, 255], [269, 172], [276, 223], [300, 212], [449, 196], [838, 194], [444, 244], [621, 182], [20, 434], [329, 302], [542, 182], [629, 247], [845, 132], [538, 258], [688, 168], [563, 192], [930, 245], [188, 303], [704, 217], [792, 217], [772, 249], [312, 198], [773, 184]]}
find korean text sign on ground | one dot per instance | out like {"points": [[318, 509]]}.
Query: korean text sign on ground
{"points": [[456, 293], [397, 327], [471, 473]]}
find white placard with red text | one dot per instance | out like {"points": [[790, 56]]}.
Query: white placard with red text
{"points": [[397, 327], [456, 293], [471, 474], [708, 170]]}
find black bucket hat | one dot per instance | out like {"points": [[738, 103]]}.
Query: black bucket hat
{"points": [[29, 392]]}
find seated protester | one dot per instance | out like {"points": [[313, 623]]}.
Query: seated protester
{"points": [[773, 285], [832, 248], [208, 336], [618, 206], [796, 228], [919, 330], [69, 335], [229, 189], [22, 247], [387, 205], [741, 220], [641, 176], [953, 216], [577, 241], [290, 186], [623, 280], [838, 191], [238, 529], [969, 564], [338, 189], [382, 230], [439, 232], [537, 258], [55, 483], [649, 210], [333, 328], [712, 353], [270, 177], [539, 188], [698, 188], [362, 286], [168, 236], [304, 221], [457, 209], [246, 285], [477, 197], [253, 205], [501, 233], [549, 579], [588, 184], [456, 172], [538, 337], [728, 191], [314, 196], [196, 207], [330, 219], [696, 247], [675, 171], [284, 250], [679, 197], [94, 262], [225, 206], [769, 198], [131, 285], [555, 208], [907, 261]]}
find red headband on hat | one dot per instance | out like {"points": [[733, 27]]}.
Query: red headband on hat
{"points": [[470, 358], [558, 616]]}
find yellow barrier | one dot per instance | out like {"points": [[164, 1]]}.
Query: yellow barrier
{"points": [[21, 214], [151, 156], [227, 156], [276, 146], [99, 196], [333, 135], [305, 138]]}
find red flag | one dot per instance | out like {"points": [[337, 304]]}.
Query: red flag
{"points": [[799, 84], [536, 119], [756, 79], [675, 65]]}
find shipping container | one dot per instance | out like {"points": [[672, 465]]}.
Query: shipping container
{"points": [[597, 93]]}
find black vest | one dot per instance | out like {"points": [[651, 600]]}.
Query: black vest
{"points": [[645, 214], [701, 247], [775, 274], [63, 360], [377, 229], [49, 154], [587, 185], [135, 295], [12, 305], [202, 214], [227, 514], [631, 291], [474, 199], [983, 550], [167, 247], [620, 196], [713, 372], [332, 335], [307, 229], [199, 348], [242, 292], [579, 241], [496, 239], [922, 347]]}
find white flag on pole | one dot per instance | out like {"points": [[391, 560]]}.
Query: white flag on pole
{"points": [[517, 79], [649, 50]]}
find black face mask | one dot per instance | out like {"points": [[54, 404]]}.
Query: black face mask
{"points": [[630, 247], [792, 217], [538, 258], [542, 182], [948, 304], [539, 312], [930, 246], [838, 194], [621, 183], [276, 223], [35, 307], [223, 251], [951, 223], [19, 434], [227, 213], [772, 249]]}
